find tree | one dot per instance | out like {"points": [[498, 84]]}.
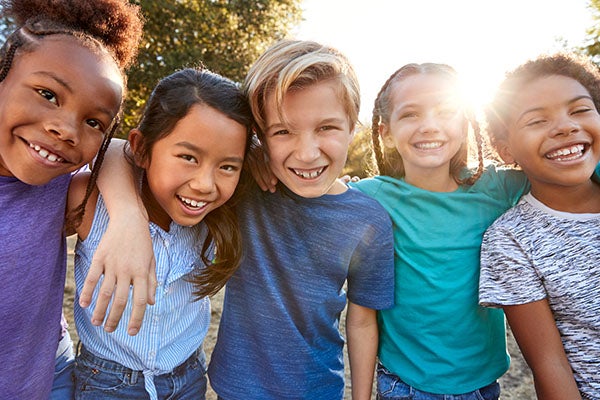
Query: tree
{"points": [[226, 36], [361, 161], [592, 48]]}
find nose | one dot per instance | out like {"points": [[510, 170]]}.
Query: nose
{"points": [[307, 148], [429, 123], [565, 125], [203, 181], [65, 128]]}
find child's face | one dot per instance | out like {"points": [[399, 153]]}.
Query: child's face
{"points": [[57, 102], [194, 169], [553, 133], [308, 148], [427, 125]]}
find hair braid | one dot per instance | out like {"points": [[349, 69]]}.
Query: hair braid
{"points": [[9, 55], [479, 142], [76, 215]]}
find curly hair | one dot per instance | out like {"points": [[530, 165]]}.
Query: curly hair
{"points": [[570, 65], [111, 26]]}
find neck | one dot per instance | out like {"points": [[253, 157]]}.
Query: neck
{"points": [[584, 198], [434, 181], [155, 212]]}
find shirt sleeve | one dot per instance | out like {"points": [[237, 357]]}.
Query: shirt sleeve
{"points": [[508, 276]]}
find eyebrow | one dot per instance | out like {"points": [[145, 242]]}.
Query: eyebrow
{"points": [[194, 148], [330, 120], [573, 100]]}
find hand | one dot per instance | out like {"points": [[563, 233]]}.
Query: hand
{"points": [[258, 165], [347, 178], [123, 264]]}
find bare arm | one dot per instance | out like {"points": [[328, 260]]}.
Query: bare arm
{"points": [[539, 340], [122, 263], [362, 334]]}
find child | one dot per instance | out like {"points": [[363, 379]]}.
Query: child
{"points": [[279, 332], [54, 117], [190, 146], [436, 341], [541, 261]]}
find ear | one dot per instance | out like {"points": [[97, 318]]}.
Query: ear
{"points": [[386, 136], [504, 151], [136, 140]]}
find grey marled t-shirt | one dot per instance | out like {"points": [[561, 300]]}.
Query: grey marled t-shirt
{"points": [[533, 252]]}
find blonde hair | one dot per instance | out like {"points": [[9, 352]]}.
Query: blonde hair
{"points": [[296, 64]]}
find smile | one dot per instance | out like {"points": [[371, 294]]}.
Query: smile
{"points": [[309, 174], [567, 153], [191, 203], [46, 154], [428, 145]]}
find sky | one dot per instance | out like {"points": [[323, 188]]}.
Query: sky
{"points": [[481, 39]]}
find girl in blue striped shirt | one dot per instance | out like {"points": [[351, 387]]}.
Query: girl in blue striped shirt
{"points": [[189, 149]]}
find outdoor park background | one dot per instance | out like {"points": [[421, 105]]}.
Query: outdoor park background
{"points": [[481, 39]]}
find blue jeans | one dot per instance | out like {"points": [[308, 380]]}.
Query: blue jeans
{"points": [[391, 387], [62, 387], [97, 378]]}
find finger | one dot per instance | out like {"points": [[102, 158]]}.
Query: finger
{"points": [[91, 280], [153, 283], [104, 295], [119, 301], [138, 306]]}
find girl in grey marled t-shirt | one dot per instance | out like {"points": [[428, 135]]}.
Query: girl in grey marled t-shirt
{"points": [[534, 253], [540, 261]]}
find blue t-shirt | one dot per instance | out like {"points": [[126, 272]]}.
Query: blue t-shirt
{"points": [[279, 334], [437, 338], [32, 268]]}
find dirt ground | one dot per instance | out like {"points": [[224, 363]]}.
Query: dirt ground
{"points": [[516, 384]]}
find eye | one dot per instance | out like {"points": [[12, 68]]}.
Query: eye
{"points": [[536, 121], [188, 157], [94, 123], [581, 110], [280, 132], [48, 95], [230, 168], [408, 114], [328, 128]]}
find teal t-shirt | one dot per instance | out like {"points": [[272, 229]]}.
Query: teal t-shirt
{"points": [[436, 337]]}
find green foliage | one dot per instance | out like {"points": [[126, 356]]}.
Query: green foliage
{"points": [[224, 35], [592, 47], [361, 161]]}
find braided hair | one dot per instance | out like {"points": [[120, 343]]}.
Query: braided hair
{"points": [[103, 26], [389, 162]]}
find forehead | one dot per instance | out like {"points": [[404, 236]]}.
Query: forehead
{"points": [[425, 88], [66, 59]]}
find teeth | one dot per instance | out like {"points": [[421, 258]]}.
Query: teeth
{"points": [[428, 145], [192, 203], [46, 154], [565, 153], [308, 175]]}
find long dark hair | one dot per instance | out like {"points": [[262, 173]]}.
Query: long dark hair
{"points": [[171, 101], [112, 26]]}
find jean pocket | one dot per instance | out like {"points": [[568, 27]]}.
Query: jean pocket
{"points": [[89, 378], [391, 387]]}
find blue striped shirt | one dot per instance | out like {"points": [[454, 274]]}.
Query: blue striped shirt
{"points": [[173, 328]]}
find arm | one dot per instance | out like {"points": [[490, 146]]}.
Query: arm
{"points": [[539, 340], [363, 340], [121, 263]]}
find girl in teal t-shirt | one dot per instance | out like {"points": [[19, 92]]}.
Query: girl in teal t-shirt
{"points": [[436, 340]]}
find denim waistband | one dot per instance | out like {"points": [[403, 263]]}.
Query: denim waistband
{"points": [[113, 366]]}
